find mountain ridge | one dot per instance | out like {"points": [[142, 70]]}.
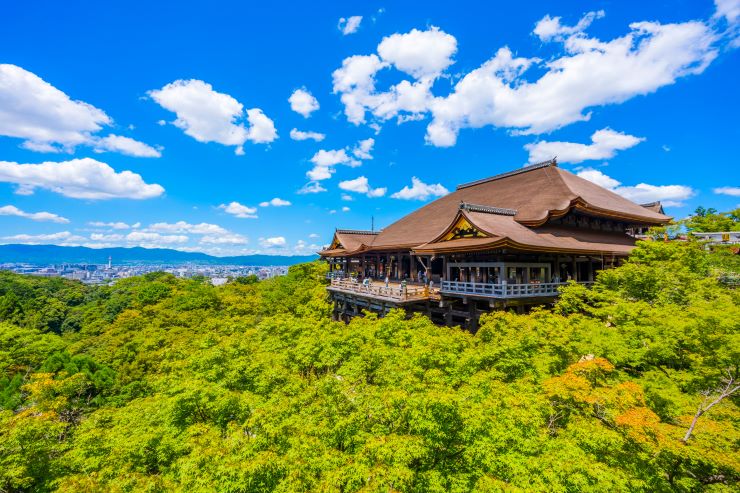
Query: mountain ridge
{"points": [[56, 254]]}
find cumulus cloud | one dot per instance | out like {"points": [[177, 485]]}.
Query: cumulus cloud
{"points": [[729, 9], [361, 185], [239, 210], [421, 54], [345, 209], [112, 225], [590, 73], [276, 202], [61, 238], [504, 92], [275, 241], [311, 187], [604, 145], [363, 148], [185, 227], [731, 191], [325, 160], [296, 134], [11, 210], [669, 195], [48, 120], [420, 191], [125, 145], [349, 25], [78, 178], [303, 102], [154, 239], [226, 239], [550, 28], [211, 116]]}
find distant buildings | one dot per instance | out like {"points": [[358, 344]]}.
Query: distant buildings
{"points": [[107, 273]]}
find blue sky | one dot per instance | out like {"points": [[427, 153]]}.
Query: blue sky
{"points": [[169, 123]]}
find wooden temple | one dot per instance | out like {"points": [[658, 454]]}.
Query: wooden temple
{"points": [[508, 241]]}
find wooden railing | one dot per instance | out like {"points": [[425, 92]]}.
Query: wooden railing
{"points": [[503, 289], [395, 292]]}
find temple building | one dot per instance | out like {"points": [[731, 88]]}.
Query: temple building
{"points": [[508, 241]]}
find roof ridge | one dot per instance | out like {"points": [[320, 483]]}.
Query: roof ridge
{"points": [[525, 169], [356, 232], [502, 211]]}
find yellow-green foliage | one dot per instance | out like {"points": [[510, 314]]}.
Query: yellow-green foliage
{"points": [[161, 384]]}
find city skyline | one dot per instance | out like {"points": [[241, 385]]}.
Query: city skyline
{"points": [[239, 129]]}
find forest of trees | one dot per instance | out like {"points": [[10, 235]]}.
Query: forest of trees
{"points": [[158, 384]]}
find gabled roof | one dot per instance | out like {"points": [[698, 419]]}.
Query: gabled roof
{"points": [[502, 231], [349, 241], [536, 193], [654, 206]]}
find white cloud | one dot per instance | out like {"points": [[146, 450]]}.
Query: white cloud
{"points": [[227, 239], [239, 210], [313, 236], [421, 54], [276, 241], [347, 197], [185, 227], [296, 134], [107, 237], [210, 116], [549, 28], [50, 121], [11, 210], [345, 209], [311, 187], [261, 128], [276, 202], [78, 178], [324, 161], [586, 73], [125, 145], [349, 25], [731, 191], [729, 9], [420, 191], [361, 185], [590, 73], [363, 148], [605, 144], [112, 225], [669, 195], [154, 239], [62, 238], [303, 102], [333, 157]]}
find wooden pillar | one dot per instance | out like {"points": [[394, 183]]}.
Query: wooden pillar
{"points": [[574, 266], [556, 271], [412, 267], [590, 270]]}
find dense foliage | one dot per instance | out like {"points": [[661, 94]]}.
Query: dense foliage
{"points": [[158, 383], [709, 220]]}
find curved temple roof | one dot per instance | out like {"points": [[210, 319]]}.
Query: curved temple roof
{"points": [[514, 208]]}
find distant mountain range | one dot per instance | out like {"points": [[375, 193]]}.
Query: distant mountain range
{"points": [[53, 254]]}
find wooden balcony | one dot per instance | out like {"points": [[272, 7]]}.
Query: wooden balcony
{"points": [[395, 293], [503, 290]]}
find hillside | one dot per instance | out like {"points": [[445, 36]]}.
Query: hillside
{"points": [[53, 254], [165, 384]]}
